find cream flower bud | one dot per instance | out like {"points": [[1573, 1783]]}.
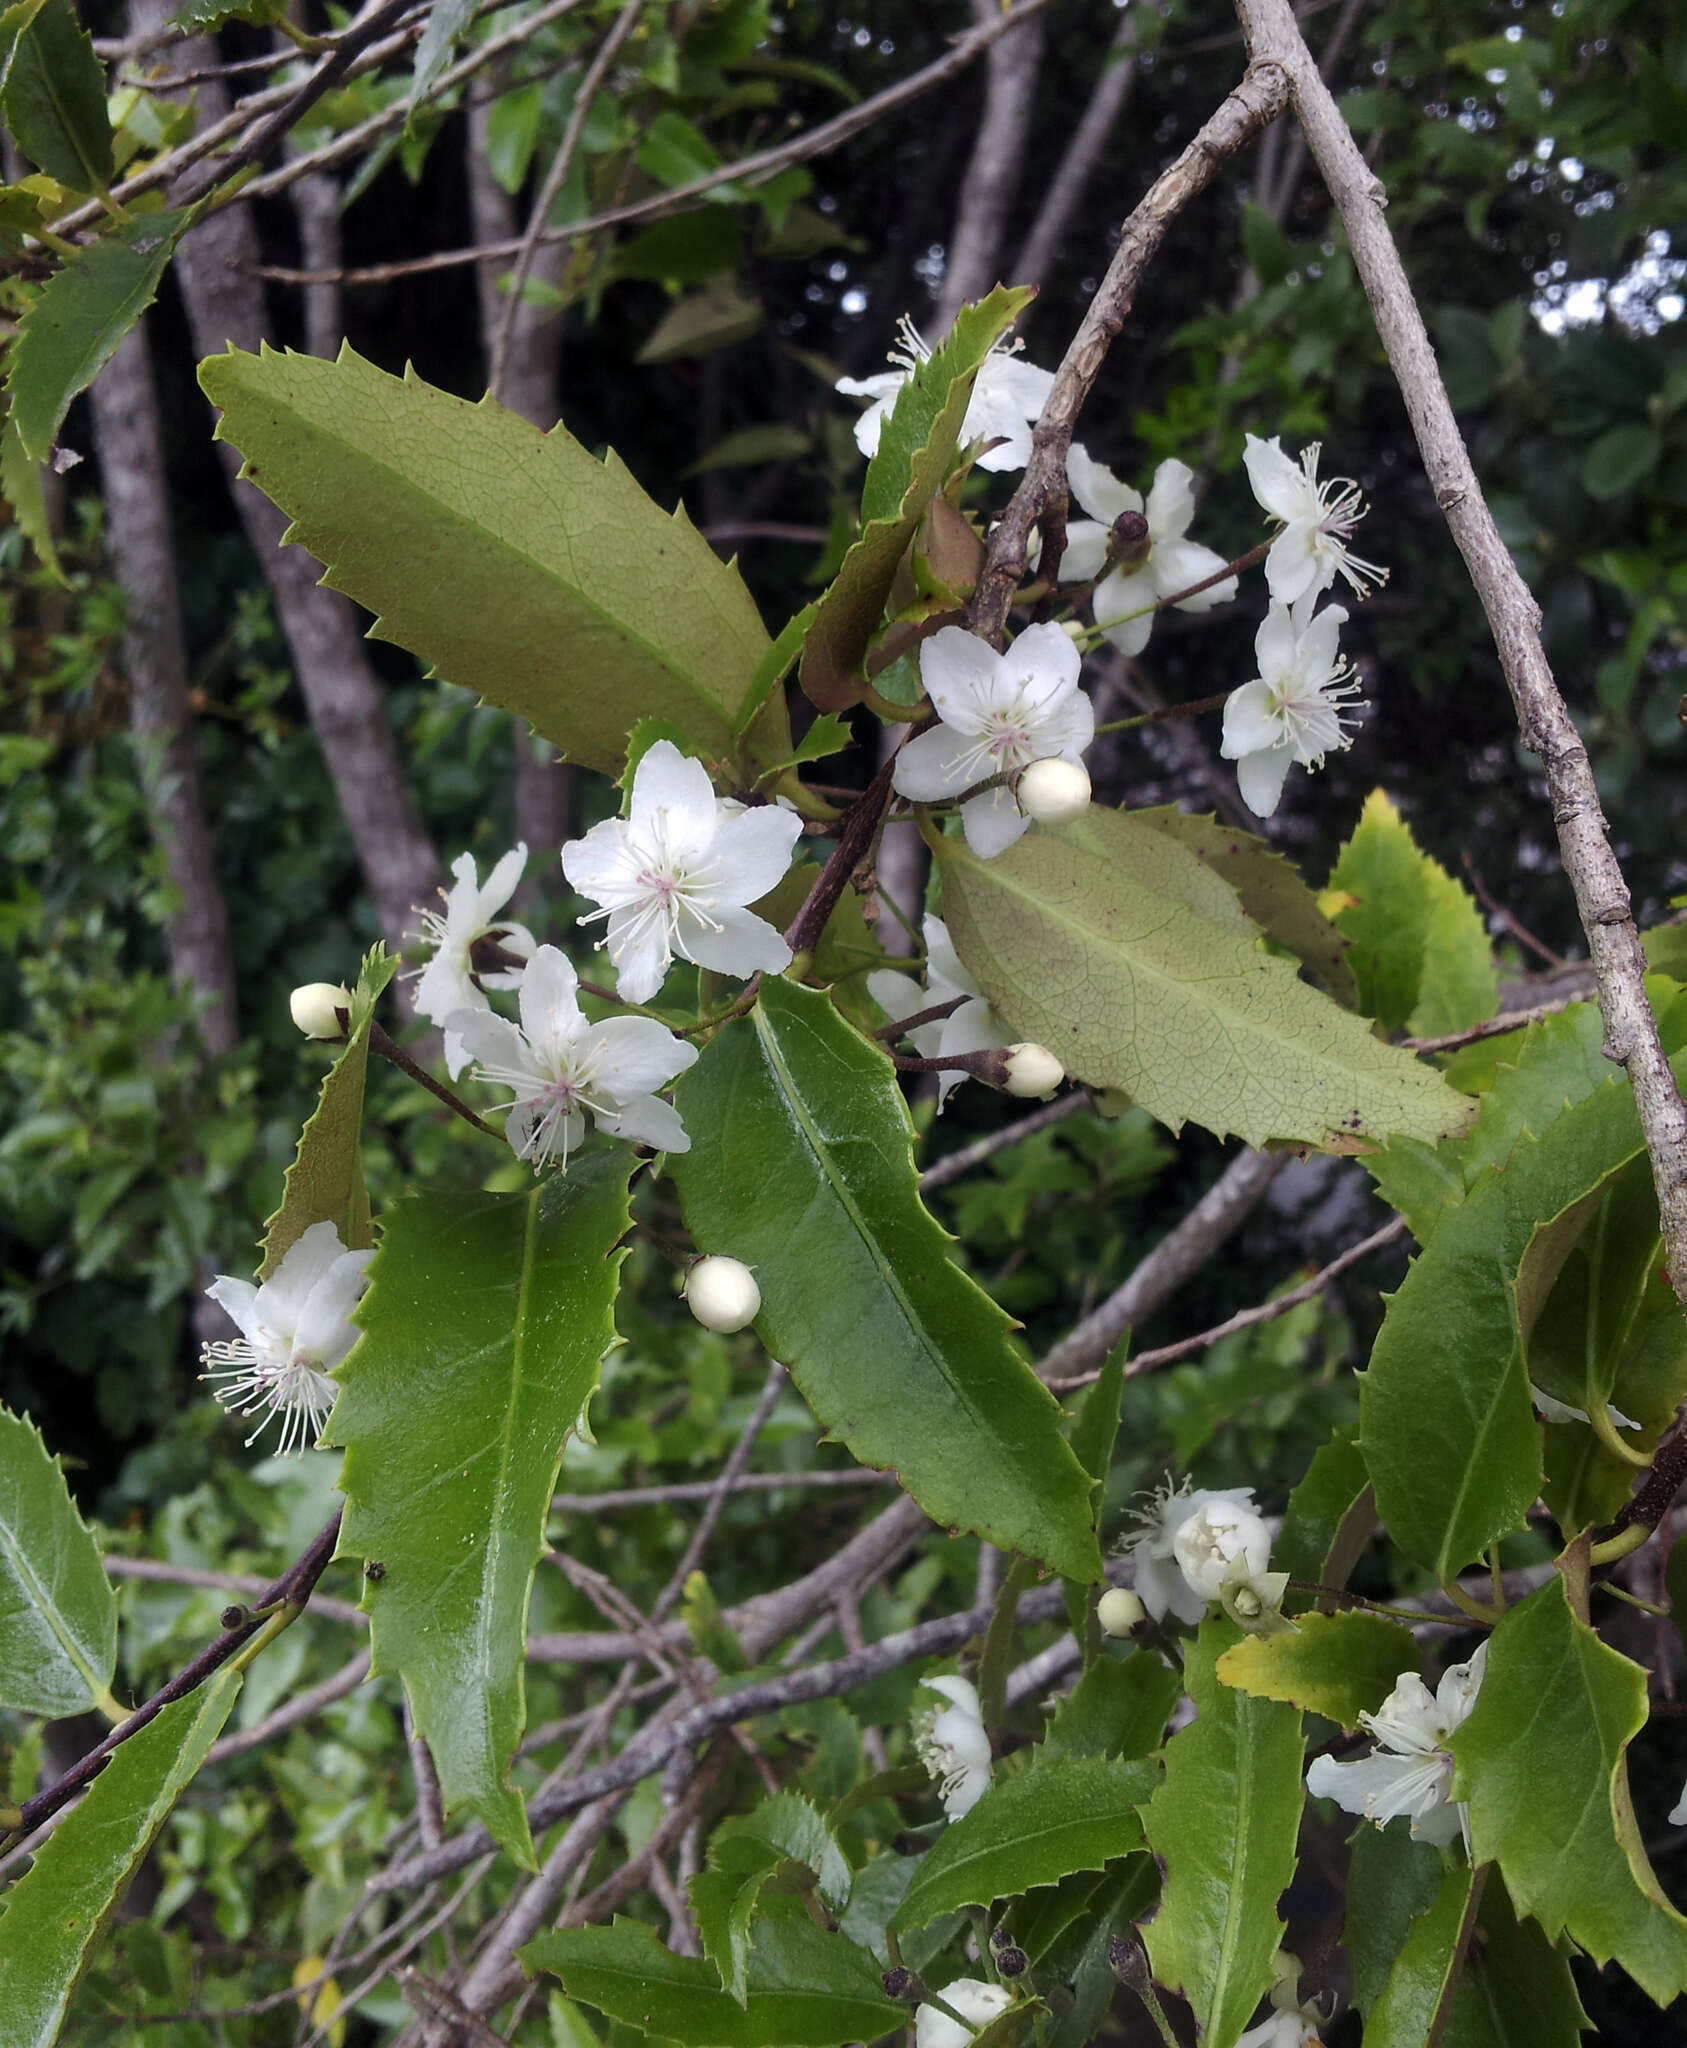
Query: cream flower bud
{"points": [[316, 1007], [1032, 1070], [722, 1294], [1119, 1611], [1053, 791]]}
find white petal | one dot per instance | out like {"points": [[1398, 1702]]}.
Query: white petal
{"points": [[489, 1040], [739, 943], [646, 1121], [1409, 1721], [963, 1791], [673, 797], [938, 764], [1044, 662], [325, 1335], [752, 851], [1015, 382], [884, 386], [1260, 778], [603, 864], [1294, 566], [898, 995], [1171, 501], [500, 885], [282, 1297], [550, 1006], [992, 822], [961, 1692], [974, 1027], [1116, 597], [516, 939], [1097, 489], [237, 1299], [1086, 551], [1277, 643], [1252, 724], [638, 945], [962, 677], [1318, 648], [636, 1055], [1278, 482], [1677, 1815], [1179, 563], [444, 985], [944, 971]]}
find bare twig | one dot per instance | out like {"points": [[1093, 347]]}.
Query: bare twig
{"points": [[1495, 1027], [304, 1706], [702, 1489], [244, 1585], [1543, 718], [954, 1164]]}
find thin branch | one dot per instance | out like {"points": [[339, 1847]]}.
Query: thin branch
{"points": [[1513, 924], [702, 1489], [1496, 1027], [304, 1706], [954, 1164], [772, 1388], [754, 169], [1256, 101], [1248, 1318], [246, 1585], [1543, 718]]}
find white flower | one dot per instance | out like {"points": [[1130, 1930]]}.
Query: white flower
{"points": [[1294, 710], [556, 1065], [1311, 551], [998, 712], [1292, 2024], [977, 2003], [1224, 1543], [1161, 1578], [1007, 396], [449, 981], [1170, 565], [972, 1027], [1550, 1410], [675, 875], [294, 1330], [722, 1294], [954, 1747], [1411, 1768]]}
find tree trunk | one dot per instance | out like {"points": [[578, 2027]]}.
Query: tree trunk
{"points": [[544, 786], [992, 177], [346, 704], [131, 453]]}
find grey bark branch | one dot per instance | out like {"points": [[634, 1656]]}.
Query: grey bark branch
{"points": [[131, 452], [1543, 718], [1082, 154], [347, 707], [991, 181]]}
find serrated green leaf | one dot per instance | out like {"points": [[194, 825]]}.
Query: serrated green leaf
{"points": [[20, 486], [1337, 1665], [64, 1902], [916, 451], [84, 310], [1224, 1825], [1422, 1979], [1329, 1517], [58, 1618], [52, 94], [324, 1184], [1419, 952], [1065, 1814], [1542, 1762], [486, 547], [1118, 1708], [1269, 890], [807, 1989], [483, 1328], [801, 1164], [744, 1853], [1113, 945], [1445, 1413]]}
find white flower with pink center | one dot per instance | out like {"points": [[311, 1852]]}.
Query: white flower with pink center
{"points": [[558, 1066]]}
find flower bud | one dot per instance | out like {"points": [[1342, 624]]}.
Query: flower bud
{"points": [[1119, 1611], [1012, 1962], [1054, 791], [1032, 1070], [722, 1294], [1130, 540], [321, 1008]]}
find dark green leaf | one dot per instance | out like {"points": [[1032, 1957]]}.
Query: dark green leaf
{"points": [[73, 328], [718, 315], [801, 1164], [1096, 1429], [744, 1853], [1224, 1825], [58, 1620], [20, 486], [1337, 1665], [752, 447], [64, 1902], [1330, 1514], [1119, 1707], [1065, 1814], [807, 1989], [1422, 1980], [52, 94], [447, 20], [483, 1328], [1617, 461]]}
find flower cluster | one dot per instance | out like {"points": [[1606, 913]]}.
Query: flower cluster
{"points": [[1191, 1549], [1411, 1769]]}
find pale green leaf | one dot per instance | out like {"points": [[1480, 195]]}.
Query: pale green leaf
{"points": [[1063, 1815], [1542, 1762], [1113, 945], [512, 561], [801, 1165], [324, 1184], [52, 94], [717, 315], [752, 447], [807, 1989], [20, 486], [1337, 1665], [83, 311], [483, 1329], [58, 1619], [1224, 1825], [446, 22], [64, 1902]]}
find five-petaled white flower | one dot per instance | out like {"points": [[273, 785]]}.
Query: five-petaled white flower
{"points": [[1311, 551], [998, 712], [1170, 564], [977, 2003], [1187, 1545], [1007, 396], [1295, 708], [1292, 2023], [675, 875], [557, 1064], [294, 1330], [1411, 1768], [449, 981], [954, 1746], [972, 1027]]}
